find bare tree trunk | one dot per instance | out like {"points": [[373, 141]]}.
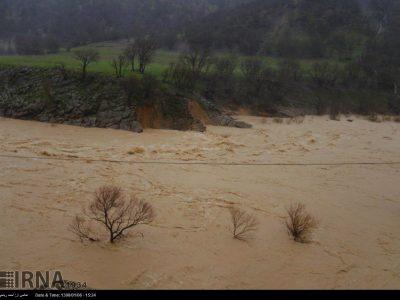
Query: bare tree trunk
{"points": [[111, 237], [84, 71], [142, 68], [133, 65]]}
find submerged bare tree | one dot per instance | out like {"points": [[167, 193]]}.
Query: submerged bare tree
{"points": [[79, 228], [115, 212], [243, 224], [299, 223], [86, 57]]}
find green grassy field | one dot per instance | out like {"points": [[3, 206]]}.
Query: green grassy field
{"points": [[109, 50]]}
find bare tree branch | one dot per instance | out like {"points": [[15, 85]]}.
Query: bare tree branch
{"points": [[145, 48], [119, 64], [299, 223], [118, 214], [80, 230], [243, 223], [86, 57]]}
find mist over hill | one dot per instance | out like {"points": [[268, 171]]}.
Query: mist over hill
{"points": [[75, 22], [289, 28], [295, 28]]}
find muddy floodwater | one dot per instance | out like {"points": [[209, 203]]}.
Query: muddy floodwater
{"points": [[189, 244]]}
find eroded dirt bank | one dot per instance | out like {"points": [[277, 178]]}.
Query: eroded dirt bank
{"points": [[189, 245], [59, 96]]}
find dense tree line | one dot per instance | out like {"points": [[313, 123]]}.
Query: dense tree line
{"points": [[294, 28], [77, 22], [365, 83], [358, 39], [287, 28]]}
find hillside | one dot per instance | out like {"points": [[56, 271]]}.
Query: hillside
{"points": [[291, 28], [343, 55], [76, 22], [57, 95], [297, 28]]}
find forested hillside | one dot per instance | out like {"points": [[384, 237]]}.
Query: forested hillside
{"points": [[351, 48], [76, 22], [289, 28], [296, 28]]}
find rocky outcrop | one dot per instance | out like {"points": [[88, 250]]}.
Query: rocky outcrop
{"points": [[218, 118], [48, 95], [59, 96]]}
